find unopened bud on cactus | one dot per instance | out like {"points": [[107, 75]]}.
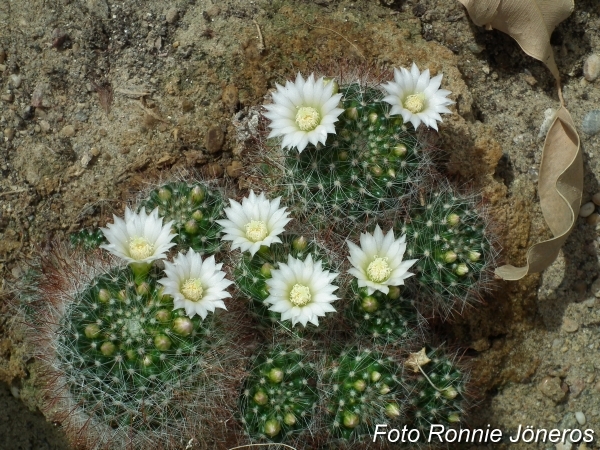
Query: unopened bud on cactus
{"points": [[275, 375], [299, 244], [183, 326], [272, 427], [462, 269], [392, 410], [450, 257], [260, 398], [265, 270], [453, 219]]}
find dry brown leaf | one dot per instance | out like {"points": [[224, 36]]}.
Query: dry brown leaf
{"points": [[529, 22], [560, 187]]}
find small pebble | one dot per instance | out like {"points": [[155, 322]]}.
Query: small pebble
{"points": [[234, 170], [595, 289], [591, 67], [172, 15], [214, 140], [8, 98], [587, 209], [596, 199], [594, 219], [569, 325], [9, 134], [44, 125], [580, 416], [68, 131], [591, 122], [550, 387], [15, 80]]}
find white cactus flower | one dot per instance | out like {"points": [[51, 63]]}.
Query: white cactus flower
{"points": [[417, 97], [255, 222], [303, 112], [140, 238], [301, 291], [197, 286], [378, 261]]}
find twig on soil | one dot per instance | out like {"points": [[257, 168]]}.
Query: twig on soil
{"points": [[261, 41]]}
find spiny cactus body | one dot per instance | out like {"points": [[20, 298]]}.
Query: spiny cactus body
{"points": [[388, 319], [437, 392], [370, 165], [252, 272], [87, 239], [280, 396], [361, 388], [449, 236], [125, 370], [194, 208]]}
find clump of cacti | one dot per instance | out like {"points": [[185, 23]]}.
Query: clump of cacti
{"points": [[193, 208], [137, 355], [125, 369], [279, 397], [371, 165], [361, 388], [450, 237]]}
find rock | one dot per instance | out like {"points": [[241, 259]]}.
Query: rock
{"points": [[81, 116], [45, 126], [9, 134], [569, 325], [596, 199], [587, 209], [580, 416], [15, 80], [214, 139], [68, 131], [591, 67], [234, 169], [230, 97], [213, 170], [591, 122], [187, 105], [172, 15], [9, 98], [595, 289], [593, 219], [2, 56], [550, 387], [98, 8]]}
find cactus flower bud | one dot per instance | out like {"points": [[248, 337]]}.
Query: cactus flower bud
{"points": [[272, 428], [162, 342], [449, 256], [369, 304], [461, 269], [275, 375], [392, 410], [197, 194], [350, 420], [183, 326], [92, 331], [104, 295], [260, 398]]}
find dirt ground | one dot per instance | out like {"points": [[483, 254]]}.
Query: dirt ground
{"points": [[98, 100]]}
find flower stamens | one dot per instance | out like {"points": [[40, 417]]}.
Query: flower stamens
{"points": [[379, 270], [140, 248], [307, 118], [256, 230], [300, 295], [415, 103], [192, 289]]}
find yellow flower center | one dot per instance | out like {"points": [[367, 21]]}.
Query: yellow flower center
{"points": [[256, 230], [192, 289], [140, 248], [307, 118], [379, 270], [415, 103], [300, 295]]}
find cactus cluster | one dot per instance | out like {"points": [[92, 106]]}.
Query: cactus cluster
{"points": [[373, 164], [144, 368], [449, 236], [279, 396], [193, 208]]}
